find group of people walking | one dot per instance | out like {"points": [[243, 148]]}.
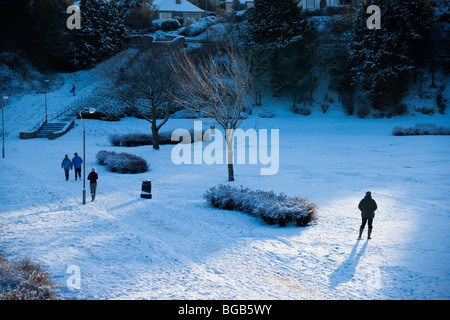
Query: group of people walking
{"points": [[67, 165], [75, 163]]}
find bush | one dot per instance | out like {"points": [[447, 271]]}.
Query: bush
{"points": [[362, 107], [428, 111], [400, 108], [413, 131], [196, 28], [25, 280], [348, 102], [170, 25], [142, 139], [122, 162], [324, 107], [304, 111], [268, 206]]}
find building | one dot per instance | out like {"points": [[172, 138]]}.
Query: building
{"points": [[246, 4], [321, 4], [168, 9]]}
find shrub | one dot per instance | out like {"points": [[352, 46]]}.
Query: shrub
{"points": [[348, 102], [362, 107], [324, 107], [400, 108], [170, 25], [142, 139], [122, 162], [25, 280], [413, 131], [304, 111], [267, 205], [428, 111], [196, 28]]}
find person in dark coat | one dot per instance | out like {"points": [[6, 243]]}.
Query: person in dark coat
{"points": [[77, 161], [93, 177], [73, 90], [66, 164], [367, 206]]}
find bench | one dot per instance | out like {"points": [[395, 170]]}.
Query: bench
{"points": [[425, 125]]}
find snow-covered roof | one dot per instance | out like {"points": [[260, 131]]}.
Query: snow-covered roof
{"points": [[172, 5]]}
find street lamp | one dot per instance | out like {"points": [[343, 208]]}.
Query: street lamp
{"points": [[90, 110], [3, 125]]}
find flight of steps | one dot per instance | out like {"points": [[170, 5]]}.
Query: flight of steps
{"points": [[49, 128]]}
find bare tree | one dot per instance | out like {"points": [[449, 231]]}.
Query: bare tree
{"points": [[145, 84], [218, 85]]}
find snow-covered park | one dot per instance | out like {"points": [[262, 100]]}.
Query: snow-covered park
{"points": [[176, 246]]}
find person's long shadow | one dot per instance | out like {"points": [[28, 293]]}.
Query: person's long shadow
{"points": [[346, 270]]}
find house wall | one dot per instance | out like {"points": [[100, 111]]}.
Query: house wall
{"points": [[316, 4], [247, 5], [164, 15]]}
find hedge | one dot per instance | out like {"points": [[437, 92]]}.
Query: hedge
{"points": [[413, 131], [122, 162], [267, 205]]}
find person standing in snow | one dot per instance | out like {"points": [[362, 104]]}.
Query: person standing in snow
{"points": [[66, 164], [367, 206], [77, 161], [92, 177], [73, 90]]}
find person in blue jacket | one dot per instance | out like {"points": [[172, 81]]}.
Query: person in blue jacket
{"points": [[77, 161], [66, 165]]}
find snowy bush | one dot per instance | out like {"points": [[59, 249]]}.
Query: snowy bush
{"points": [[196, 28], [413, 131], [267, 205], [143, 139], [122, 162], [25, 280], [170, 25], [157, 24], [304, 111]]}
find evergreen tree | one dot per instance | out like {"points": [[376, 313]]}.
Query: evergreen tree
{"points": [[101, 35], [135, 13], [236, 5], [385, 58], [281, 30]]}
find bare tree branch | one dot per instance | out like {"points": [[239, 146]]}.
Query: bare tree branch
{"points": [[218, 85]]}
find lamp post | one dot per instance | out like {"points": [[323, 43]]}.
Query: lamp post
{"points": [[3, 126], [90, 110]]}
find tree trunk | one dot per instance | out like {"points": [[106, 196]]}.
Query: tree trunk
{"points": [[230, 172], [155, 136], [229, 141]]}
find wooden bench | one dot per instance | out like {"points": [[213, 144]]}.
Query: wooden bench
{"points": [[425, 125]]}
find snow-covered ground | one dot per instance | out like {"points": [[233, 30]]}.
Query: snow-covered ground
{"points": [[175, 246]]}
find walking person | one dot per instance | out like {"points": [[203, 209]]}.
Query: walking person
{"points": [[367, 206], [66, 164], [73, 90], [92, 177], [77, 161]]}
